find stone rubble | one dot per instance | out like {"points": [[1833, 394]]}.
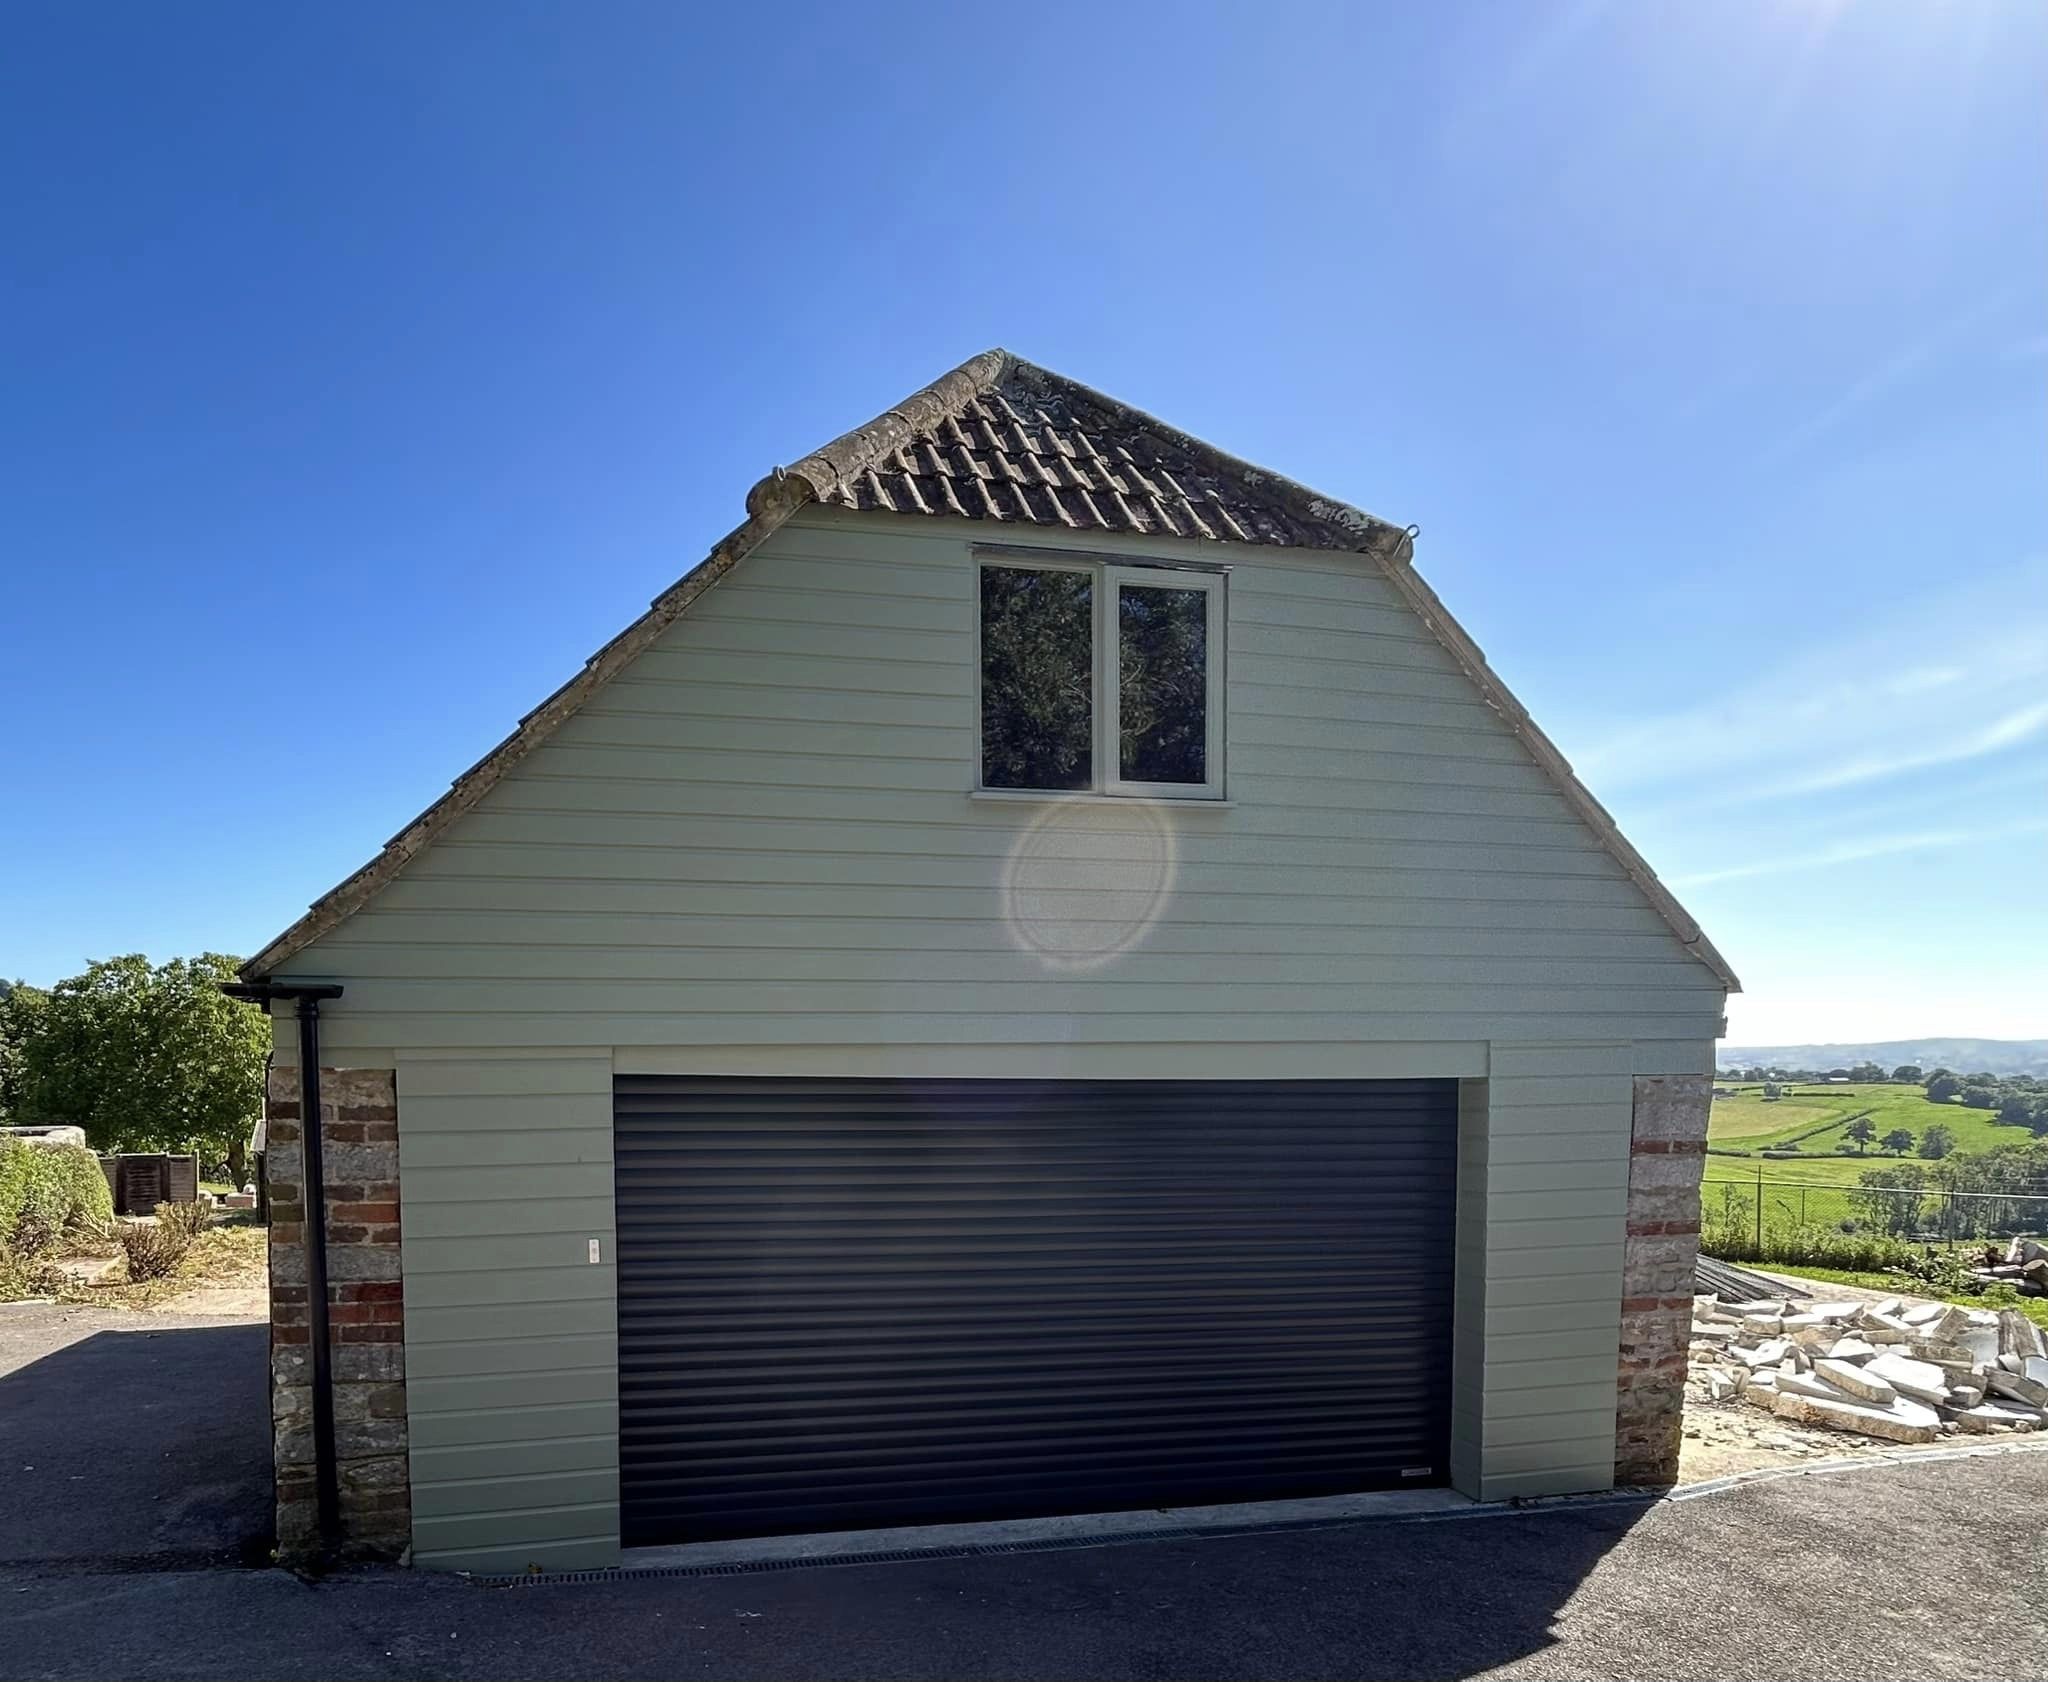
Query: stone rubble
{"points": [[1889, 1370]]}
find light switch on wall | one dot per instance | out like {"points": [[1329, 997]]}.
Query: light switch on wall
{"points": [[596, 1253]]}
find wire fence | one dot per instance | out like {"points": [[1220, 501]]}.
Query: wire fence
{"points": [[1757, 1219]]}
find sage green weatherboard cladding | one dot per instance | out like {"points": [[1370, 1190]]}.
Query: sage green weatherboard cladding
{"points": [[511, 1329], [755, 852], [719, 850], [746, 842]]}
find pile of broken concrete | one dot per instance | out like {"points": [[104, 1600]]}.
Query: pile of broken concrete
{"points": [[1904, 1373]]}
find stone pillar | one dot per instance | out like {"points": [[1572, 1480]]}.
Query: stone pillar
{"points": [[365, 1314], [1667, 1151]]}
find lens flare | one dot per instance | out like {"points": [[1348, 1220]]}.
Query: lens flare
{"points": [[1086, 882]]}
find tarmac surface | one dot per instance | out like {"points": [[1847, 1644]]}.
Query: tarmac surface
{"points": [[133, 1489]]}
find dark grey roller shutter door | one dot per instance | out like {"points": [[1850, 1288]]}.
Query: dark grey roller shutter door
{"points": [[856, 1302]]}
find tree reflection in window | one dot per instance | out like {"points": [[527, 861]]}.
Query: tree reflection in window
{"points": [[1163, 684], [1037, 678]]}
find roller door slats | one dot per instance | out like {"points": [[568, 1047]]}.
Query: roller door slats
{"points": [[857, 1470], [1183, 1360], [854, 1302], [700, 1405]]}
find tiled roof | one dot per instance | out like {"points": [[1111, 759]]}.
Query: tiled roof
{"points": [[1003, 440]]}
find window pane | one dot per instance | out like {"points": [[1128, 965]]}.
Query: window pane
{"points": [[1037, 678], [1163, 687]]}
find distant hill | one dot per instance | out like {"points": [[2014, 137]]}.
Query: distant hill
{"points": [[1968, 1057]]}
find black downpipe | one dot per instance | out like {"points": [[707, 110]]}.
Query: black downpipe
{"points": [[313, 1186], [306, 996]]}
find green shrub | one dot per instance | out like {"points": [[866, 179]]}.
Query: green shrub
{"points": [[1732, 1236], [23, 1276], [49, 1193], [1946, 1273]]}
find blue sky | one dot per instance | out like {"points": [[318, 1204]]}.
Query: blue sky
{"points": [[368, 366]]}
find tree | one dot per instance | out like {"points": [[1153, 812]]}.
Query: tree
{"points": [[1866, 1073], [1890, 1199], [1937, 1141], [1941, 1087], [2038, 1119], [149, 1058], [1771, 1091], [1898, 1141], [20, 1009], [1907, 1074], [1862, 1130], [1980, 1097], [2015, 1109]]}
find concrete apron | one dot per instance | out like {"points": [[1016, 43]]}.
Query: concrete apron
{"points": [[1082, 1530], [1072, 1530]]}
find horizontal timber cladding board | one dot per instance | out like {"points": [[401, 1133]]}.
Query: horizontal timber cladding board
{"points": [[511, 1328], [1269, 741], [1435, 843], [1305, 806], [649, 697], [1273, 1038], [853, 1302], [1557, 872], [1278, 917], [646, 961]]}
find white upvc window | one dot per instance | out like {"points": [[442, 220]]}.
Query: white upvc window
{"points": [[1100, 677]]}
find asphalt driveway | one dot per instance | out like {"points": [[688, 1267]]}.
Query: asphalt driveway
{"points": [[1926, 1570], [131, 1440]]}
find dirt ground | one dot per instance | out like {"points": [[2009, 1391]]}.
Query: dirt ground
{"points": [[1722, 1438], [224, 1276]]}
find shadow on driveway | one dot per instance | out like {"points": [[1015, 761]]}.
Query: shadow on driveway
{"points": [[1396, 1602], [131, 1442]]}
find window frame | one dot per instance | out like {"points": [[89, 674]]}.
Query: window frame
{"points": [[1110, 575]]}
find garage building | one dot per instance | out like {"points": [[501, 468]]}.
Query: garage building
{"points": [[1046, 975]]}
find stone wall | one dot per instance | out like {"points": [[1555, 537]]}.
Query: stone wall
{"points": [[365, 1313], [1667, 1151]]}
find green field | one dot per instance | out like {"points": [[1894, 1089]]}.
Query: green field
{"points": [[1748, 1122]]}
